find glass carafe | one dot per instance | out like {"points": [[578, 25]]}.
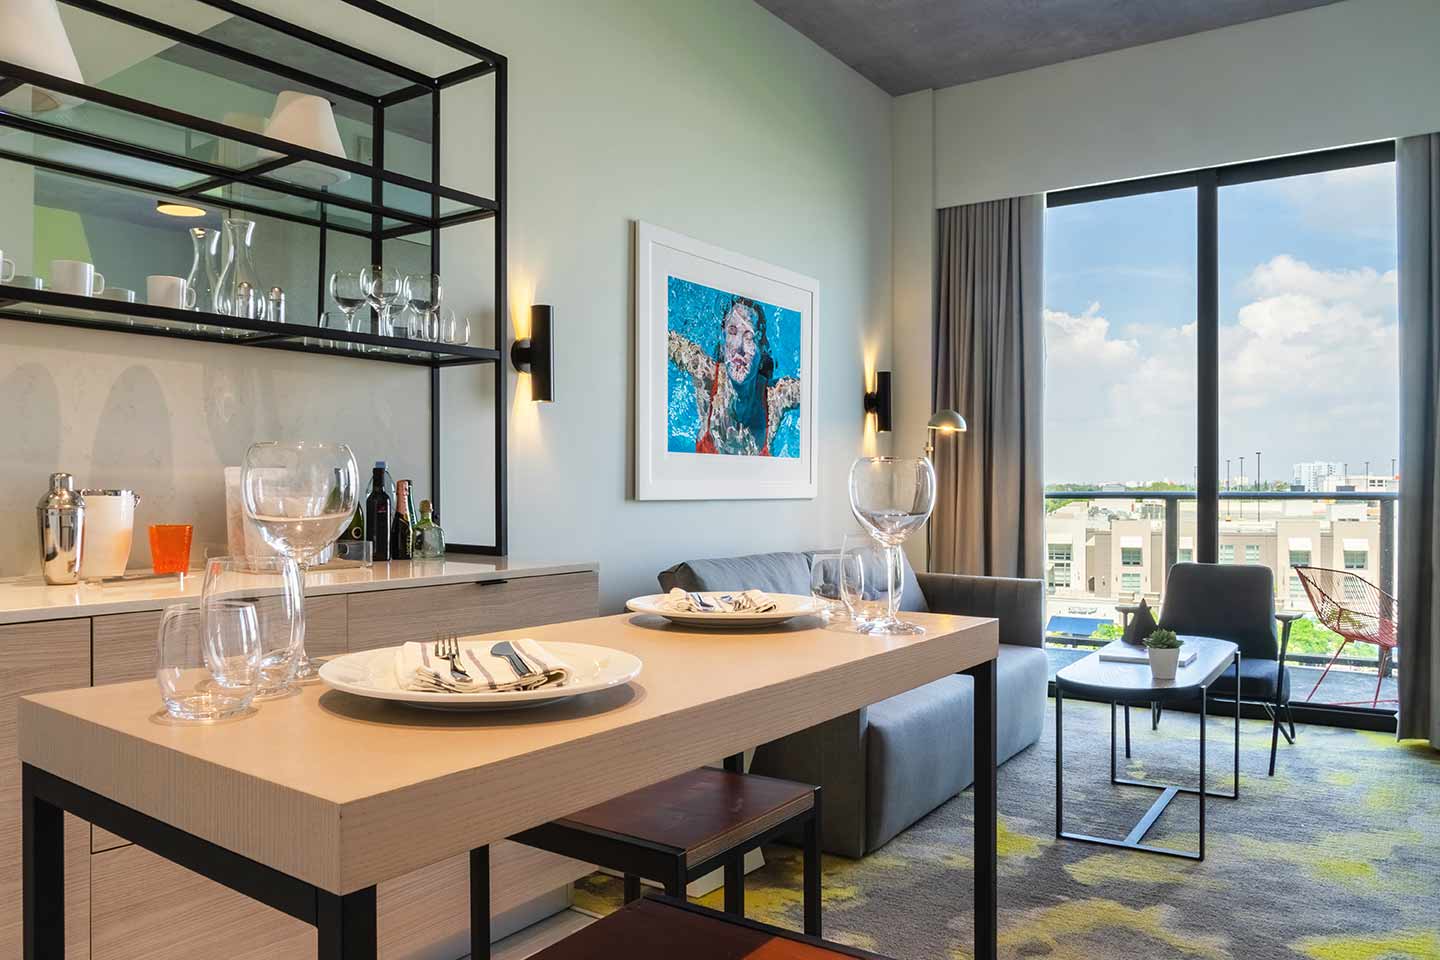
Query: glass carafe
{"points": [[205, 268], [239, 292]]}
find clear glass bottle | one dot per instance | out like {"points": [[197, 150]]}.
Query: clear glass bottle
{"points": [[429, 538], [204, 273], [239, 292]]}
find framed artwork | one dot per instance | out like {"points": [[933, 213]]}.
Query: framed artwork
{"points": [[726, 352]]}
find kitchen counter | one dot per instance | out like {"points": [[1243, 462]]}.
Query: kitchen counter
{"points": [[30, 599]]}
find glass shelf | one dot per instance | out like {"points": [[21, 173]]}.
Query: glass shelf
{"points": [[111, 137], [96, 313]]}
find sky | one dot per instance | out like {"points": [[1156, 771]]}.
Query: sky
{"points": [[1308, 335]]}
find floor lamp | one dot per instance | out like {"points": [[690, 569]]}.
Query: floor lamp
{"points": [[945, 422]]}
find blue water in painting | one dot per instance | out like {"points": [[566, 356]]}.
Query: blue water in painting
{"points": [[696, 311]]}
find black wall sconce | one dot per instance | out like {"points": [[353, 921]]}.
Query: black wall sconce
{"points": [[877, 401], [535, 354]]}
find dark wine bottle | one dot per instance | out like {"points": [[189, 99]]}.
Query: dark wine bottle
{"points": [[401, 532], [377, 515]]}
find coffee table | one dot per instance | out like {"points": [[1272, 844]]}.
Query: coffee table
{"points": [[1131, 683]]}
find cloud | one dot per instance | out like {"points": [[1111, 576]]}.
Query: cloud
{"points": [[1308, 371]]}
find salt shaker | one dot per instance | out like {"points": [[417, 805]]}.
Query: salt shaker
{"points": [[277, 305]]}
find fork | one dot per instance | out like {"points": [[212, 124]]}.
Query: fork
{"points": [[448, 648]]}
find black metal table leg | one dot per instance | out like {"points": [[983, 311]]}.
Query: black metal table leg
{"points": [[345, 926], [480, 903], [1204, 703], [43, 882], [735, 863], [987, 866], [1237, 724], [1059, 764], [812, 870]]}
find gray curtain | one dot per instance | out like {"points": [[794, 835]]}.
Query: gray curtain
{"points": [[989, 365], [1418, 186]]}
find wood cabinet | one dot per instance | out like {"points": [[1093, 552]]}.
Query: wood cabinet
{"points": [[125, 903], [35, 657], [383, 618]]}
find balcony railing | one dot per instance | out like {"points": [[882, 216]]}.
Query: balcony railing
{"points": [[1346, 684]]}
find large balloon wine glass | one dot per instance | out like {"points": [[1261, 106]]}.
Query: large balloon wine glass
{"points": [[300, 494], [892, 497]]}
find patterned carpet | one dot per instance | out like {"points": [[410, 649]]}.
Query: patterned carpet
{"points": [[1335, 858]]}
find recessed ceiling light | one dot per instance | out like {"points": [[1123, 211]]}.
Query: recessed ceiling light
{"points": [[173, 208]]}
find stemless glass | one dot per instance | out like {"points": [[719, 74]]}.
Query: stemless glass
{"points": [[301, 494], [827, 584], [272, 587], [207, 667], [865, 583], [383, 286], [892, 497]]}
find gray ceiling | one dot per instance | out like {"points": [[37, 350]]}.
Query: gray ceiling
{"points": [[908, 45]]}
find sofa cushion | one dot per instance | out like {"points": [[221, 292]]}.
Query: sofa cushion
{"points": [[920, 747], [771, 572]]}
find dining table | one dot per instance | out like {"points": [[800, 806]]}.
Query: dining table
{"points": [[316, 798]]}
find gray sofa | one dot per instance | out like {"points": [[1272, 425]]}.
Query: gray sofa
{"points": [[886, 766]]}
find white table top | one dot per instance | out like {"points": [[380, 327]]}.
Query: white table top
{"points": [[28, 599]]}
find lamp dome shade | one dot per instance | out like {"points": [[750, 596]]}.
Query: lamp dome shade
{"points": [[306, 121], [33, 35], [947, 421]]}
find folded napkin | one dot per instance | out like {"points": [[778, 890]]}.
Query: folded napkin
{"points": [[418, 668], [746, 601]]}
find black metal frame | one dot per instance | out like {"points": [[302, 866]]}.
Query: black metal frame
{"points": [[1206, 184], [1134, 840], [60, 309], [346, 924]]}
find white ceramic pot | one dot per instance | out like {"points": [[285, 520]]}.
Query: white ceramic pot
{"points": [[109, 528], [1163, 663]]}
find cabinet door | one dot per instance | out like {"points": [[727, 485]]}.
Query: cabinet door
{"points": [[125, 651], [382, 618], [35, 657]]}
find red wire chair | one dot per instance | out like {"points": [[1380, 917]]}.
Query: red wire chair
{"points": [[1356, 609]]}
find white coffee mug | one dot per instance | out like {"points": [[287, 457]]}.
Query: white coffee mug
{"points": [[77, 277], [162, 291], [118, 293], [7, 268]]}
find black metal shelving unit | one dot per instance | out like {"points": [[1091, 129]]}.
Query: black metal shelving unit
{"points": [[149, 147]]}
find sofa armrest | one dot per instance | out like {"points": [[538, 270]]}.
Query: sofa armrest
{"points": [[832, 757], [1019, 604]]}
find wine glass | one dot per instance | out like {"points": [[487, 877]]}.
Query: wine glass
{"points": [[348, 292], [423, 292], [383, 286], [892, 497], [301, 494]]}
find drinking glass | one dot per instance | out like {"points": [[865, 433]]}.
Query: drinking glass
{"points": [[383, 286], [827, 577], [170, 548], [301, 494], [207, 664], [866, 585], [273, 589], [348, 292], [892, 497], [423, 292]]}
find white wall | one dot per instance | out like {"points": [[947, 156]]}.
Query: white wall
{"points": [[1346, 73], [716, 120], [1351, 72]]}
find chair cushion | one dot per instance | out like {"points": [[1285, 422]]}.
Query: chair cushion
{"points": [[1234, 602], [771, 572], [1257, 681]]}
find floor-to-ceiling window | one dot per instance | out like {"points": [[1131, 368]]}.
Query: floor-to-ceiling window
{"points": [[1221, 352]]}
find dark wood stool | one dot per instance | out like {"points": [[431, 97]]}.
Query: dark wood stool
{"points": [[662, 928]]}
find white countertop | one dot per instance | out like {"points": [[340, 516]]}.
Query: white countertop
{"points": [[28, 599]]}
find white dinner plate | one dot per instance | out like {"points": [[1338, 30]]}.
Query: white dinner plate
{"points": [[787, 607], [371, 673]]}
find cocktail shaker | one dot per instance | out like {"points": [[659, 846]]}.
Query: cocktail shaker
{"points": [[61, 515]]}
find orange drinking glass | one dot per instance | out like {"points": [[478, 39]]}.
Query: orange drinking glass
{"points": [[170, 547]]}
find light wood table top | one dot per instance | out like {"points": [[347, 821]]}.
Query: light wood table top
{"points": [[343, 792]]}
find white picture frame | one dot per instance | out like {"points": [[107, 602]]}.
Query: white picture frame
{"points": [[707, 450]]}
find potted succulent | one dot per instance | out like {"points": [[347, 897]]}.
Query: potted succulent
{"points": [[1164, 649]]}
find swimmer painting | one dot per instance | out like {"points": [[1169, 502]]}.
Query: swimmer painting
{"points": [[733, 383]]}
